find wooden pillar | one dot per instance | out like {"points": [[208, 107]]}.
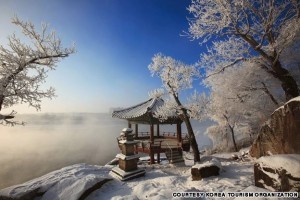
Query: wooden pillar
{"points": [[179, 139], [129, 124], [157, 130], [136, 130], [152, 161], [152, 141], [158, 157], [152, 133]]}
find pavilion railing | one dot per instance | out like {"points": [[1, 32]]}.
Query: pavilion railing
{"points": [[172, 134], [147, 145], [146, 134]]}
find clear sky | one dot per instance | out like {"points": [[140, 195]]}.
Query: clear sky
{"points": [[115, 41]]}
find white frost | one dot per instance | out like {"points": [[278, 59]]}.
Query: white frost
{"points": [[289, 162], [212, 162], [64, 184]]}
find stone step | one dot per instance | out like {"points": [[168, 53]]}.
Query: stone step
{"points": [[176, 160], [174, 156]]}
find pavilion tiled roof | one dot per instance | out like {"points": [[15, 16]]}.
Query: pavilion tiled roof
{"points": [[142, 111]]}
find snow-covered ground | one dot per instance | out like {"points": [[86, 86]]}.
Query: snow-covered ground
{"points": [[159, 182]]}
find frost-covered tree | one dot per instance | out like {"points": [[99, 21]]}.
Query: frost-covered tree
{"points": [[176, 77], [219, 136], [242, 99], [248, 31], [24, 66]]}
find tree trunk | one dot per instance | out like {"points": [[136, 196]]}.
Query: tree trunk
{"points": [[232, 131], [288, 83], [1, 101], [233, 138], [265, 89], [192, 137], [189, 128]]}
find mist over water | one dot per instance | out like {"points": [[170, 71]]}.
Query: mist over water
{"points": [[52, 141]]}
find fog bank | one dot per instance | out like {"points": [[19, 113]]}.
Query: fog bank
{"points": [[52, 141]]}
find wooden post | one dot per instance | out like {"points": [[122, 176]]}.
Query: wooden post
{"points": [[158, 157], [157, 130], [129, 124], [136, 131], [179, 139], [152, 157], [152, 141], [151, 133]]}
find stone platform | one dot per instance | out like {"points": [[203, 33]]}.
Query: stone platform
{"points": [[120, 174]]}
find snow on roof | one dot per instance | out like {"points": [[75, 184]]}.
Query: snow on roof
{"points": [[141, 110], [138, 110], [289, 162]]}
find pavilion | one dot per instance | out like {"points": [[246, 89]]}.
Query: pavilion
{"points": [[171, 143]]}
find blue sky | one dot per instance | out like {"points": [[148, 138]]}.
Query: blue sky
{"points": [[115, 41]]}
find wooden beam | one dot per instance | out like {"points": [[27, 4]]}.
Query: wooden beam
{"points": [[179, 138], [157, 130]]}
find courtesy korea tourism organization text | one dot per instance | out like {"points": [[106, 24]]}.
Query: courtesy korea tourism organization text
{"points": [[283, 195]]}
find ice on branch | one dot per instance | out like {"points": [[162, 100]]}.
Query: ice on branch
{"points": [[175, 75], [24, 65], [157, 93], [170, 108], [255, 31], [197, 105]]}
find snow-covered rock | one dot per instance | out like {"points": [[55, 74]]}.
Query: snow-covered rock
{"points": [[281, 135], [72, 182], [206, 169], [278, 172]]}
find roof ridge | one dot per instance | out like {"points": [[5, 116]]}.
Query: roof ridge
{"points": [[115, 113], [139, 112], [152, 103]]}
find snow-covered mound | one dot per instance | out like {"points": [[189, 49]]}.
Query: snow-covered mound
{"points": [[84, 181], [72, 182]]}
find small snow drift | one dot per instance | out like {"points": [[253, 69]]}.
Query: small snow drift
{"points": [[72, 182], [278, 172], [207, 169]]}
